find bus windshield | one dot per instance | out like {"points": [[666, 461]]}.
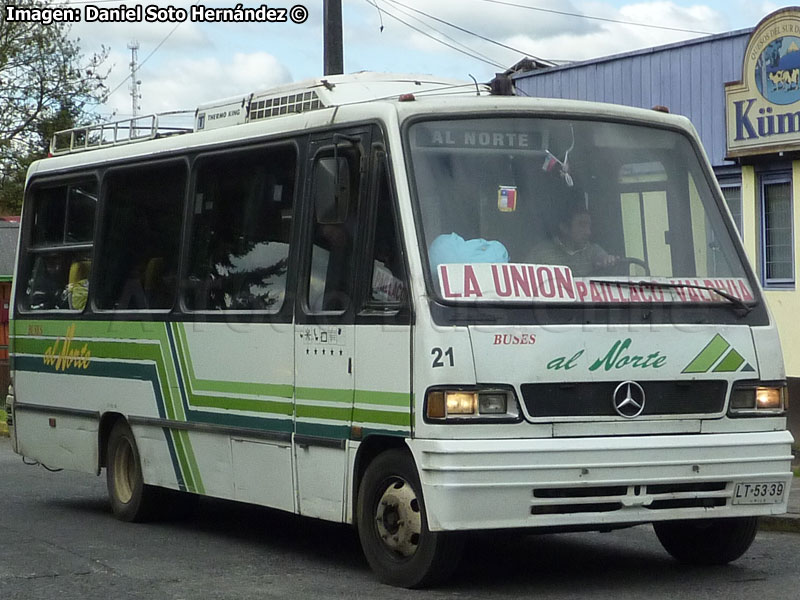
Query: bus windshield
{"points": [[559, 210]]}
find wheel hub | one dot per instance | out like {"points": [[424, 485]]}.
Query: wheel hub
{"points": [[398, 518]]}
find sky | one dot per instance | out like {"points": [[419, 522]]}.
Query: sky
{"points": [[186, 63]]}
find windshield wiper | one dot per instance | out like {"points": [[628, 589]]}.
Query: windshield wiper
{"points": [[737, 302]]}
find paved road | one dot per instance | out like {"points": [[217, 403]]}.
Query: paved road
{"points": [[59, 540]]}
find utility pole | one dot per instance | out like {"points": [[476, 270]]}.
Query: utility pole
{"points": [[332, 37], [135, 83]]}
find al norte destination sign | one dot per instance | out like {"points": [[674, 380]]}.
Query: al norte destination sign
{"points": [[763, 109]]}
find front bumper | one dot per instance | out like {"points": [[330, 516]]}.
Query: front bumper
{"points": [[603, 481]]}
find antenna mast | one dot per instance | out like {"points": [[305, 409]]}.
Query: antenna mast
{"points": [[135, 83]]}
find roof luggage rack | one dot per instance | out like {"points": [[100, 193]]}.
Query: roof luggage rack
{"points": [[282, 100], [116, 133]]}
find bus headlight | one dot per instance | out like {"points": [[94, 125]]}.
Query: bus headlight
{"points": [[471, 405], [758, 398]]}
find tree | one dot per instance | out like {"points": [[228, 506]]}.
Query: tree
{"points": [[46, 84]]}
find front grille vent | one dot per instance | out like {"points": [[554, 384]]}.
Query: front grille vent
{"points": [[595, 399], [602, 499]]}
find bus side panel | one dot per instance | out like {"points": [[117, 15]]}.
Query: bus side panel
{"points": [[58, 441], [257, 466], [246, 393], [156, 452], [58, 414]]}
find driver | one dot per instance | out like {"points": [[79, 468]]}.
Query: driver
{"points": [[571, 245]]}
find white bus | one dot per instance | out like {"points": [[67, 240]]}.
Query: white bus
{"points": [[408, 305]]}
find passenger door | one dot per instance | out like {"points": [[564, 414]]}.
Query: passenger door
{"points": [[325, 319], [383, 334]]}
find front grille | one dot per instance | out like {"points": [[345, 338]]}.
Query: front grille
{"points": [[583, 492], [688, 495], [593, 499], [561, 501], [595, 399]]}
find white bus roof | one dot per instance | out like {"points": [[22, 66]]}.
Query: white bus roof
{"points": [[347, 98]]}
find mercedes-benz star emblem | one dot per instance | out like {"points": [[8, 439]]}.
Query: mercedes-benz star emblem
{"points": [[629, 399]]}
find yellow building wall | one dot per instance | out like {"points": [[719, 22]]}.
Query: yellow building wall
{"points": [[784, 304]]}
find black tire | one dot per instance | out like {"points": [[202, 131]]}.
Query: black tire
{"points": [[131, 499], [401, 551], [707, 541]]}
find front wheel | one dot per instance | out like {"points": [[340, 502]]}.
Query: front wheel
{"points": [[131, 499], [707, 541], [393, 526]]}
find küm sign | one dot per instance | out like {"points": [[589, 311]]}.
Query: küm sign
{"points": [[763, 109]]}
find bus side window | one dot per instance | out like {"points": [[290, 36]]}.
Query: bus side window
{"points": [[243, 204], [335, 197], [60, 246], [387, 281], [139, 259]]}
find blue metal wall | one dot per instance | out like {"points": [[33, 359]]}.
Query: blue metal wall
{"points": [[688, 77]]}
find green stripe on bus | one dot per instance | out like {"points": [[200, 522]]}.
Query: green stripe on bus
{"points": [[105, 349], [225, 387], [173, 370], [324, 395], [132, 330], [384, 398], [249, 389], [333, 413], [708, 355], [385, 418], [243, 404], [148, 341], [192, 459], [180, 450], [227, 403]]}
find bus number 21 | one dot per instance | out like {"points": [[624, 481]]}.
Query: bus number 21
{"points": [[438, 354]]}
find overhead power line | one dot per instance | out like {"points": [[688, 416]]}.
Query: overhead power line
{"points": [[471, 54], [141, 64], [608, 20], [464, 30], [467, 48]]}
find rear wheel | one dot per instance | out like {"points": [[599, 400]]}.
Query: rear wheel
{"points": [[131, 499], [393, 526], [707, 541]]}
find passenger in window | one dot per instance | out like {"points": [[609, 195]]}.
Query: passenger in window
{"points": [[46, 288], [132, 295], [77, 291], [571, 245]]}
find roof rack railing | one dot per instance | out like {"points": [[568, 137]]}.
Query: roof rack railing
{"points": [[116, 133]]}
